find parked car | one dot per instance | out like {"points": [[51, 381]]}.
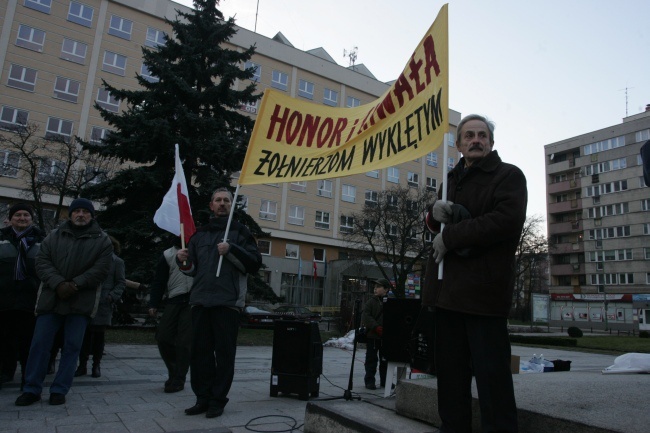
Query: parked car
{"points": [[297, 312], [253, 317]]}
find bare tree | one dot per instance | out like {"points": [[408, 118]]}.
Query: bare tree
{"points": [[531, 261], [390, 231], [52, 168]]}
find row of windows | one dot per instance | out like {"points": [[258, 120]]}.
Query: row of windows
{"points": [[48, 169], [66, 89], [606, 188], [612, 279], [603, 167], [609, 210], [83, 14], [609, 232], [609, 255], [601, 146]]}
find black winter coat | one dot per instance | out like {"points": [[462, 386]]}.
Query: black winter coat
{"points": [[482, 281]]}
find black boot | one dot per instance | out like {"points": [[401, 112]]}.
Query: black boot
{"points": [[52, 366], [82, 370], [97, 372]]}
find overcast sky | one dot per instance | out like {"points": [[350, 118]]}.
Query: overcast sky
{"points": [[543, 71]]}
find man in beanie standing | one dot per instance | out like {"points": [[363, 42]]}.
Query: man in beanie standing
{"points": [[373, 320], [72, 263], [19, 244]]}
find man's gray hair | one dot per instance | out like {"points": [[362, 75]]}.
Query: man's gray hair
{"points": [[222, 189], [490, 125]]}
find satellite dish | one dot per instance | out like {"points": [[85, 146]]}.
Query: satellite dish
{"points": [[552, 156]]}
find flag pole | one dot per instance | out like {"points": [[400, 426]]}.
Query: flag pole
{"points": [[445, 170], [225, 236]]}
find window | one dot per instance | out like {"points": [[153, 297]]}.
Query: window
{"points": [[120, 27], [322, 220], [450, 139], [39, 5], [642, 135], [155, 37], [242, 203], [292, 251], [646, 228], [646, 253], [22, 78], [645, 204], [306, 89], [107, 101], [257, 70], [413, 179], [393, 174], [114, 63], [432, 184], [373, 174], [372, 197], [392, 201], [80, 14], [319, 255], [324, 188], [330, 97], [73, 51], [296, 215], [279, 80], [300, 186], [147, 75], [348, 193], [98, 135], [94, 175], [50, 169], [450, 163], [369, 226], [58, 129], [66, 89], [12, 119], [432, 159], [428, 237], [391, 230], [264, 247], [9, 163], [352, 102], [30, 38], [601, 146], [347, 224], [268, 210]]}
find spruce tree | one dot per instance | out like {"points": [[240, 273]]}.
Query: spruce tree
{"points": [[192, 103]]}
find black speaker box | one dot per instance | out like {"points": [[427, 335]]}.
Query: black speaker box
{"points": [[297, 361], [400, 317]]}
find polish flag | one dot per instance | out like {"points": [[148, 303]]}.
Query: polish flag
{"points": [[315, 269], [175, 211]]}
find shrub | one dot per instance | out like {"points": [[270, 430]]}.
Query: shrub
{"points": [[574, 332], [644, 334]]}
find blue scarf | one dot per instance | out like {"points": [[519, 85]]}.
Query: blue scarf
{"points": [[25, 242]]}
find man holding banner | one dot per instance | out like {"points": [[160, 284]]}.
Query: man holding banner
{"points": [[472, 300], [217, 300]]}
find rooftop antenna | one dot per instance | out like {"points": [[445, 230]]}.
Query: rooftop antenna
{"points": [[352, 55], [620, 90], [256, 11]]}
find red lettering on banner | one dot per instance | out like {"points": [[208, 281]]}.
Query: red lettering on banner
{"points": [[305, 129], [401, 86], [415, 74], [430, 58]]}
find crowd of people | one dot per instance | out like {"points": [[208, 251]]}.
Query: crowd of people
{"points": [[68, 279], [58, 290]]}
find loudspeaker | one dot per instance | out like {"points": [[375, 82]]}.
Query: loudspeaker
{"points": [[400, 317], [297, 360]]}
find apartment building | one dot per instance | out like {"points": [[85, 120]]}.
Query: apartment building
{"points": [[599, 228], [55, 54]]}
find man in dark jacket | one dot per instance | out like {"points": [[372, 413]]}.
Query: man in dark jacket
{"points": [[473, 299], [19, 244], [72, 263], [373, 320], [217, 302]]}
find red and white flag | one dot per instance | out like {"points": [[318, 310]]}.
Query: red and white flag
{"points": [[315, 268], [175, 209]]}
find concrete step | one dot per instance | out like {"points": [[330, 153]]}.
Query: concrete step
{"points": [[360, 416]]}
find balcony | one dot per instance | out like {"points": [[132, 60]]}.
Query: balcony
{"points": [[564, 206], [565, 227], [557, 167], [567, 185], [568, 248], [568, 269]]}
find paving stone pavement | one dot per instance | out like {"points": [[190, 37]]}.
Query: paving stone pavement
{"points": [[129, 397]]}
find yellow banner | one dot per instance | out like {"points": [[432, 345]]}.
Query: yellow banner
{"points": [[295, 140]]}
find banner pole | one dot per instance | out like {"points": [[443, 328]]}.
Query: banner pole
{"points": [[445, 171], [225, 236]]}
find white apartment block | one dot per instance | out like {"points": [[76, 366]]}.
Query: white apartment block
{"points": [[55, 53], [599, 228]]}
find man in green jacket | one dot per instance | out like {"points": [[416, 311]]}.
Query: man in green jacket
{"points": [[72, 263], [373, 319]]}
